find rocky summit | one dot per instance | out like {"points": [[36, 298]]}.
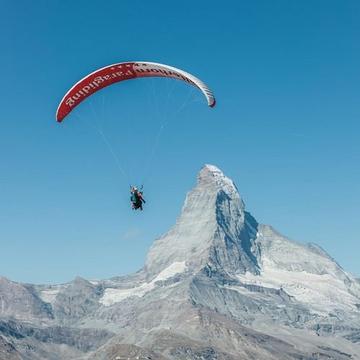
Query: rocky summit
{"points": [[218, 285]]}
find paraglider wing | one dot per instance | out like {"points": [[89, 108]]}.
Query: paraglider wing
{"points": [[124, 71]]}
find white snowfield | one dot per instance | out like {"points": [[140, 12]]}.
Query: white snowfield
{"points": [[49, 295], [323, 293], [302, 272], [113, 295]]}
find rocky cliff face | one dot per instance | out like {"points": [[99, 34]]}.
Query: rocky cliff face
{"points": [[218, 285]]}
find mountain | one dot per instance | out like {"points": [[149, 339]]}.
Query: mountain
{"points": [[217, 285]]}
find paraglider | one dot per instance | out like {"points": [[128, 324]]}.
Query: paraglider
{"points": [[136, 198], [118, 72]]}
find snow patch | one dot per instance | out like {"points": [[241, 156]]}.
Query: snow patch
{"points": [[49, 295], [175, 268], [221, 180], [112, 295], [323, 292], [94, 282]]}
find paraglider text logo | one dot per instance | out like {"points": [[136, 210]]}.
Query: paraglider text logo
{"points": [[98, 82]]}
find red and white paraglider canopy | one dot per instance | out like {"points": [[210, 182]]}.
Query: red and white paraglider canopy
{"points": [[124, 71]]}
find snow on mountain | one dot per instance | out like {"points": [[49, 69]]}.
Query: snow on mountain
{"points": [[305, 272], [49, 295], [114, 295]]}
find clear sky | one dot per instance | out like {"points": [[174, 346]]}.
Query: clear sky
{"points": [[286, 75]]}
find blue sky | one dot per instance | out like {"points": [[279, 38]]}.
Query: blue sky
{"points": [[286, 128]]}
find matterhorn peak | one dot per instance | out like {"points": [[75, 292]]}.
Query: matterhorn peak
{"points": [[209, 231]]}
